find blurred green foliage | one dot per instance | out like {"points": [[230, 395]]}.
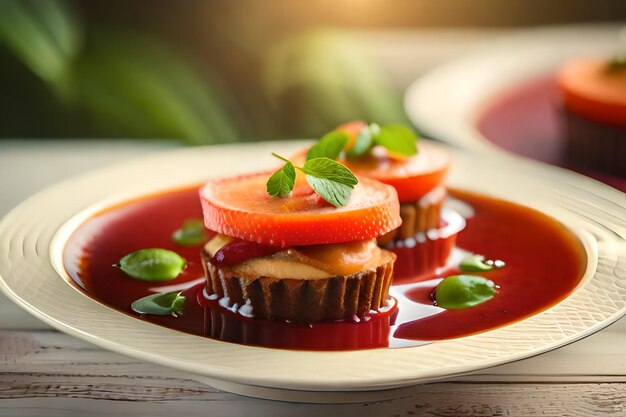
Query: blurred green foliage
{"points": [[323, 79], [127, 83], [136, 87], [117, 82], [44, 34]]}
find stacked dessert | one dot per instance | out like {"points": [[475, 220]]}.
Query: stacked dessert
{"points": [[297, 256], [594, 97], [317, 239]]}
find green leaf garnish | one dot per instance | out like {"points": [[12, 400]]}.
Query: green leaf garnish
{"points": [[152, 264], [171, 303], [335, 193], [328, 169], [364, 141], [397, 139], [191, 233], [463, 291], [477, 263], [329, 146], [282, 181], [331, 180]]}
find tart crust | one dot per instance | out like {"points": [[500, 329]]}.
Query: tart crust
{"points": [[418, 217], [595, 145], [303, 300], [426, 251]]}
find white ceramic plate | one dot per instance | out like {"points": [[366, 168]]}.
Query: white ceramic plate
{"points": [[446, 102], [32, 237]]}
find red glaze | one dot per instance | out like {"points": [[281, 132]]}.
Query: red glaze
{"points": [[219, 323], [544, 264], [239, 251], [421, 259]]}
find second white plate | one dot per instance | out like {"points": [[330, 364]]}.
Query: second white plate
{"points": [[446, 102]]}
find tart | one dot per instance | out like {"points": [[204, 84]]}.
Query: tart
{"points": [[594, 101], [418, 179], [297, 258]]}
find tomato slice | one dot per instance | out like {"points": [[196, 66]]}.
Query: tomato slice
{"points": [[591, 91], [240, 207], [352, 129], [411, 177]]}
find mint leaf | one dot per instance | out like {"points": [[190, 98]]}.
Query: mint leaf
{"points": [[364, 142], [463, 291], [172, 303], [328, 178], [325, 168], [329, 146], [191, 233], [331, 180], [154, 264], [334, 192], [397, 139], [282, 181]]}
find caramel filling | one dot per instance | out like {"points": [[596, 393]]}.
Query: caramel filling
{"points": [[307, 262]]}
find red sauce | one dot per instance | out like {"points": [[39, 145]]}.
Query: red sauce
{"points": [[534, 109], [420, 260], [544, 264]]}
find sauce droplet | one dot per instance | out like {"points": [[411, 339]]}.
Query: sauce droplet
{"points": [[457, 292], [477, 263]]}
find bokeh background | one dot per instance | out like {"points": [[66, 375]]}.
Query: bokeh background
{"points": [[203, 72]]}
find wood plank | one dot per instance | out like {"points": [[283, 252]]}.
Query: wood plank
{"points": [[442, 399], [66, 377], [599, 358]]}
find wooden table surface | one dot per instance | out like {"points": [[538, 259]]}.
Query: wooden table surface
{"points": [[47, 373]]}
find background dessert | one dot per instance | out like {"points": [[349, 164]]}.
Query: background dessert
{"points": [[594, 100]]}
